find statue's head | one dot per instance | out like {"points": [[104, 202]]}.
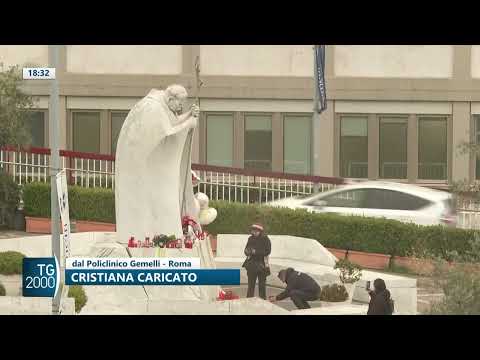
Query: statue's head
{"points": [[175, 97]]}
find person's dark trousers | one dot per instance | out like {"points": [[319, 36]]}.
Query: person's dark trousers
{"points": [[300, 298], [262, 284]]}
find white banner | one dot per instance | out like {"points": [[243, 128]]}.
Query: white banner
{"points": [[76, 263], [62, 194]]}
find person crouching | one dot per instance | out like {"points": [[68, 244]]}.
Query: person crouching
{"points": [[301, 288], [257, 250]]}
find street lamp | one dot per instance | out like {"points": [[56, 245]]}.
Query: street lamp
{"points": [[54, 133]]}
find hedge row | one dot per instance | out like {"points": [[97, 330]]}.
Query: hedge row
{"points": [[94, 204], [334, 231], [344, 232]]}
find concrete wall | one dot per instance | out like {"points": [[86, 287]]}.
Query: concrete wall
{"points": [[461, 131], [475, 61], [326, 144], [394, 61], [393, 107], [123, 59], [257, 60], [23, 54]]}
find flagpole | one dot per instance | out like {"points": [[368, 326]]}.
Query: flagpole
{"points": [[315, 120]]}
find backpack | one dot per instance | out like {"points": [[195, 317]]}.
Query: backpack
{"points": [[391, 306]]}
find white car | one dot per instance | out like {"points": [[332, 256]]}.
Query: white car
{"points": [[402, 202]]}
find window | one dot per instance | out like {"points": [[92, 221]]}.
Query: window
{"points": [[296, 144], [432, 148], [35, 123], [258, 142], [220, 139], [354, 147], [372, 199], [350, 198], [117, 122], [393, 148], [86, 131], [393, 200]]}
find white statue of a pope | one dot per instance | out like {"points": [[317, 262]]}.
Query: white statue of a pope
{"points": [[153, 184]]}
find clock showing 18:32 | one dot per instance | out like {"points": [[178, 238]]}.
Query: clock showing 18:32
{"points": [[38, 73]]}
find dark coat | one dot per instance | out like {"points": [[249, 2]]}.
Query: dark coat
{"points": [[297, 280], [379, 303], [256, 250]]}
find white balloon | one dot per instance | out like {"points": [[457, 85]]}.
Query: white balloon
{"points": [[202, 200], [207, 216]]}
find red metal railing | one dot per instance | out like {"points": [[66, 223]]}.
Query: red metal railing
{"points": [[220, 183]]}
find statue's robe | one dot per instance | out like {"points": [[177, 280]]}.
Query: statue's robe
{"points": [[153, 184]]}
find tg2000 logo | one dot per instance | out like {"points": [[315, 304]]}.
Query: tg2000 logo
{"points": [[40, 277]]}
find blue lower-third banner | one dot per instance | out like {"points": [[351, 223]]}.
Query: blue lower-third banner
{"points": [[152, 277]]}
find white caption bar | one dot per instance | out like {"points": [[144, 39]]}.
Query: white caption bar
{"points": [[132, 263], [38, 73]]}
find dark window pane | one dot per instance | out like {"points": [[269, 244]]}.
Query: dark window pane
{"points": [[393, 200], [35, 123], [477, 168], [354, 147], [432, 148], [393, 148], [258, 142], [220, 139], [117, 121], [296, 146], [86, 132], [351, 199]]}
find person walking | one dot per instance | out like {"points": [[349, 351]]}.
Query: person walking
{"points": [[301, 288], [380, 299], [257, 250]]}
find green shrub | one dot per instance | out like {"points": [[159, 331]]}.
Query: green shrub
{"points": [[77, 292], [11, 262], [36, 199], [3, 292], [461, 288], [9, 199], [93, 204], [460, 284], [349, 272], [334, 293]]}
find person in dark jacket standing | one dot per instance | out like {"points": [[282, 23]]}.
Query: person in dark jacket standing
{"points": [[301, 288], [257, 251], [380, 301]]}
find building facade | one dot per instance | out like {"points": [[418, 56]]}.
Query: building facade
{"points": [[394, 112]]}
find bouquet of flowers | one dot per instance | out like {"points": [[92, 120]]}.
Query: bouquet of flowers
{"points": [[163, 240], [227, 295]]}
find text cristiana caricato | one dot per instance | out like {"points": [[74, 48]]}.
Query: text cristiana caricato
{"points": [[134, 277]]}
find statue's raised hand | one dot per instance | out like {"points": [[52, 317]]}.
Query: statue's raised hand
{"points": [[195, 110], [192, 122]]}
